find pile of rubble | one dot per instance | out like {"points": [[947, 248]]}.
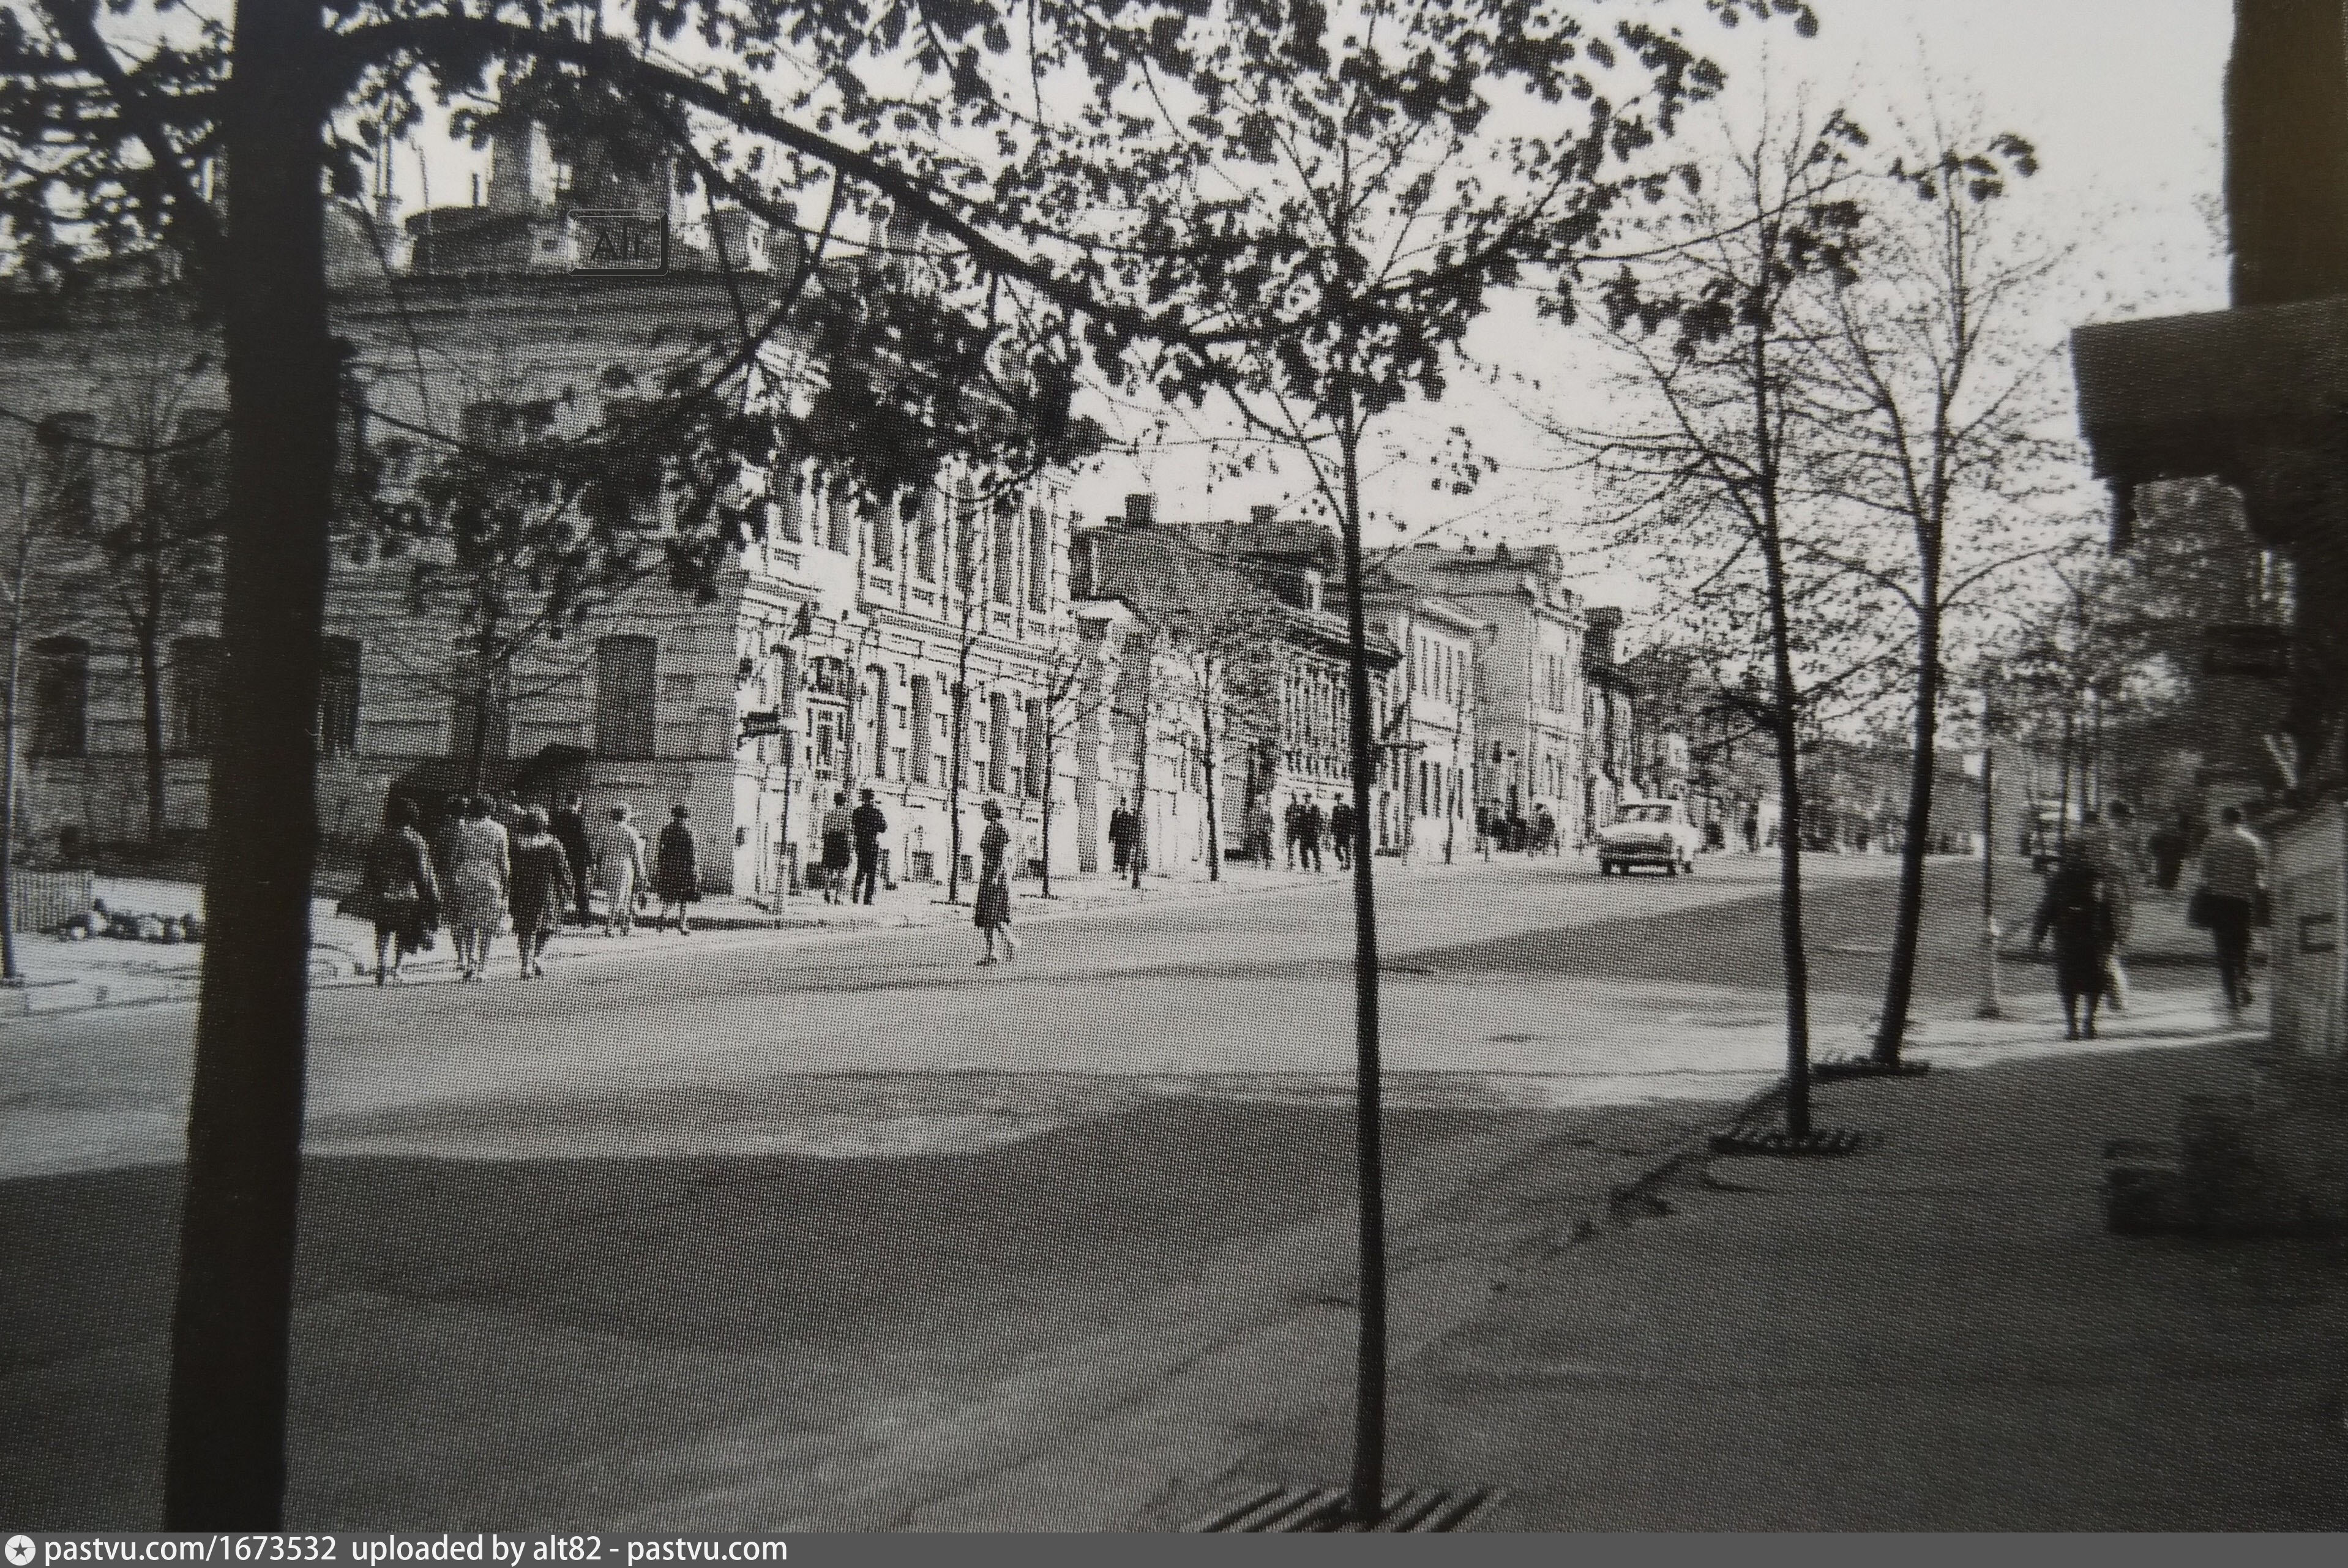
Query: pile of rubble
{"points": [[126, 926]]}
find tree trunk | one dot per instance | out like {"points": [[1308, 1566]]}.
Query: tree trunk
{"points": [[1795, 959], [1368, 1484], [224, 1455], [8, 749], [1908, 915], [953, 779], [1134, 848], [1214, 818], [151, 691]]}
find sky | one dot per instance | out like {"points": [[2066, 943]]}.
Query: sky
{"points": [[2121, 98]]}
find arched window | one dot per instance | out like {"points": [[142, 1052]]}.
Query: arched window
{"points": [[841, 515], [60, 698], [998, 743], [965, 540], [924, 516], [626, 715]]}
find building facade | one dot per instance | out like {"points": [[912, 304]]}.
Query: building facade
{"points": [[912, 644]]}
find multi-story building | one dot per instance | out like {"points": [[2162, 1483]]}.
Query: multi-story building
{"points": [[1531, 678], [1431, 808], [854, 623], [1610, 717], [1251, 599]]}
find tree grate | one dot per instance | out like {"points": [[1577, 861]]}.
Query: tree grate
{"points": [[1824, 1142], [1324, 1510], [1866, 1066]]}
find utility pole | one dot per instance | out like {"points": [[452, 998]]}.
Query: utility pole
{"points": [[9, 974]]}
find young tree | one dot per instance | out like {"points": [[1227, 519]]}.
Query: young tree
{"points": [[1942, 402], [1721, 483], [1390, 186]]}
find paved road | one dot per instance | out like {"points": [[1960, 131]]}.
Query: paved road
{"points": [[851, 1233]]}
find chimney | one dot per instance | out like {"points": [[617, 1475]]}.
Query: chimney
{"points": [[521, 170], [1263, 515], [1598, 640], [1140, 510]]}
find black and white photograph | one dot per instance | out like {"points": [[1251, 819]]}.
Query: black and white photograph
{"points": [[839, 767]]}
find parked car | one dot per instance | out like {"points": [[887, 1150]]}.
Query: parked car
{"points": [[1650, 833]]}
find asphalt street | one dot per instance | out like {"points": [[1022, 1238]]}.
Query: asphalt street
{"points": [[848, 1233]]}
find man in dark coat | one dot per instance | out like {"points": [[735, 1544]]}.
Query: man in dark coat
{"points": [[1341, 831], [1120, 837], [1308, 844], [568, 826], [867, 823]]}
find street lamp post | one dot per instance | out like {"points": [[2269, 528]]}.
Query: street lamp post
{"points": [[1993, 1004]]}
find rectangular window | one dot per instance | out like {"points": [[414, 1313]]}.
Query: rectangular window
{"points": [[925, 537], [626, 705], [68, 470], [199, 666], [339, 699], [1039, 559], [1039, 748], [1006, 551], [923, 732], [965, 542], [842, 520], [60, 698], [997, 740]]}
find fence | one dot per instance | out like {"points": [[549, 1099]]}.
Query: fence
{"points": [[44, 900]]}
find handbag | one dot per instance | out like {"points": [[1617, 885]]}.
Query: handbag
{"points": [[2197, 909]]}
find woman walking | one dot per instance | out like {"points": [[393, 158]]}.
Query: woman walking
{"points": [[2077, 909], [397, 889], [676, 872], [541, 888], [620, 870], [480, 866], [838, 847], [994, 918]]}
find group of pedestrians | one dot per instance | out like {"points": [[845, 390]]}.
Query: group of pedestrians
{"points": [[519, 868], [851, 838], [2089, 905]]}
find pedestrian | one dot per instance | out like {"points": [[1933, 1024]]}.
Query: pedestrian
{"points": [[2170, 843], [2077, 910], [620, 870], [1545, 831], [2225, 903], [994, 917], [540, 888], [1515, 830], [568, 826], [838, 830], [1314, 825], [1259, 833], [1292, 822], [1120, 837], [867, 823], [2108, 846], [1752, 829], [398, 888], [479, 869], [677, 871], [1341, 832]]}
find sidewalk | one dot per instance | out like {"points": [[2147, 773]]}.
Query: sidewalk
{"points": [[1937, 1333], [70, 977]]}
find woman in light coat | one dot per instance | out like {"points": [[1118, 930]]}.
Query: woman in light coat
{"points": [[620, 871], [481, 869]]}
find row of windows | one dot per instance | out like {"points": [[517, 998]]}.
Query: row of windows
{"points": [[1439, 671], [58, 717], [910, 528]]}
